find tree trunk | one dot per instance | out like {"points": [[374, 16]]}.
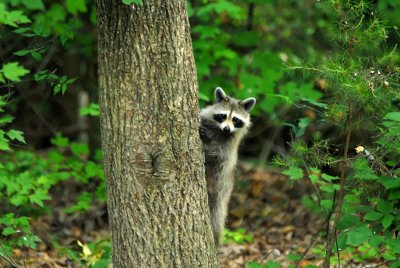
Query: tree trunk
{"points": [[156, 191]]}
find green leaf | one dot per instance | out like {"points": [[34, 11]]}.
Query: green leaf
{"points": [[23, 52], [37, 55], [16, 135], [71, 80], [84, 201], [8, 231], [272, 264], [313, 102], [394, 194], [6, 119], [92, 169], [76, 6], [376, 240], [8, 219], [384, 206], [341, 242], [39, 196], [60, 141], [31, 241], [129, 2], [55, 157], [387, 221], [390, 182], [389, 257], [40, 75], [203, 97], [373, 216], [56, 89], [394, 116], [253, 265], [63, 88], [25, 31], [4, 145], [231, 9], [261, 1], [394, 245], [330, 188], [327, 204], [294, 173], [92, 109], [12, 18], [33, 4], [303, 123], [358, 235], [347, 221], [13, 71], [293, 257], [79, 149], [395, 264], [246, 39], [328, 177], [363, 171]]}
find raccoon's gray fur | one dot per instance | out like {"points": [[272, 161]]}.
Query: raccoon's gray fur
{"points": [[223, 126]]}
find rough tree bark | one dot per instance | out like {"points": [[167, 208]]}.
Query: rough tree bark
{"points": [[156, 192]]}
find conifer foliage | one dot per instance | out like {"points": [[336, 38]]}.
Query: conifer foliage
{"points": [[356, 174]]}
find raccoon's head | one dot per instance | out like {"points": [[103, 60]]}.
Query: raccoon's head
{"points": [[229, 114]]}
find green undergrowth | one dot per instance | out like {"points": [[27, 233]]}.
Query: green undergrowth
{"points": [[30, 182]]}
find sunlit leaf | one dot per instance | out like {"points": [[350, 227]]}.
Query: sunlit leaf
{"points": [[16, 135], [13, 71], [395, 116], [294, 173]]}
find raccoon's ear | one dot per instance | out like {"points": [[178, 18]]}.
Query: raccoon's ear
{"points": [[219, 94], [248, 104]]}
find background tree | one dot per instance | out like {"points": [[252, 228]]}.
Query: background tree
{"points": [[157, 199]]}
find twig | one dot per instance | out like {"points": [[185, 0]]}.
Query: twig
{"points": [[331, 236], [313, 239], [48, 56], [14, 265], [7, 258], [267, 145], [250, 16], [37, 112]]}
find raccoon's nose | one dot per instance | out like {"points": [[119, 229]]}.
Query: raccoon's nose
{"points": [[227, 129]]}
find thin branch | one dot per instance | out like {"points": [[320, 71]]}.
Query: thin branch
{"points": [[312, 241], [250, 16], [10, 261], [8, 258], [331, 236]]}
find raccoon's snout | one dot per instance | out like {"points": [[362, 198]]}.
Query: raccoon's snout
{"points": [[227, 129]]}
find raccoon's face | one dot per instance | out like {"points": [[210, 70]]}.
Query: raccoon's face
{"points": [[229, 114], [229, 121]]}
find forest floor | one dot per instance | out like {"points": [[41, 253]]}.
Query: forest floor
{"points": [[264, 204]]}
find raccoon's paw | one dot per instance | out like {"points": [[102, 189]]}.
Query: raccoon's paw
{"points": [[203, 133]]}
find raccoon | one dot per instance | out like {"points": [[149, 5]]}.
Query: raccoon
{"points": [[223, 126]]}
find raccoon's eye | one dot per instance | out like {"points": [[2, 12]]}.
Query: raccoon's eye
{"points": [[237, 122], [219, 117]]}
